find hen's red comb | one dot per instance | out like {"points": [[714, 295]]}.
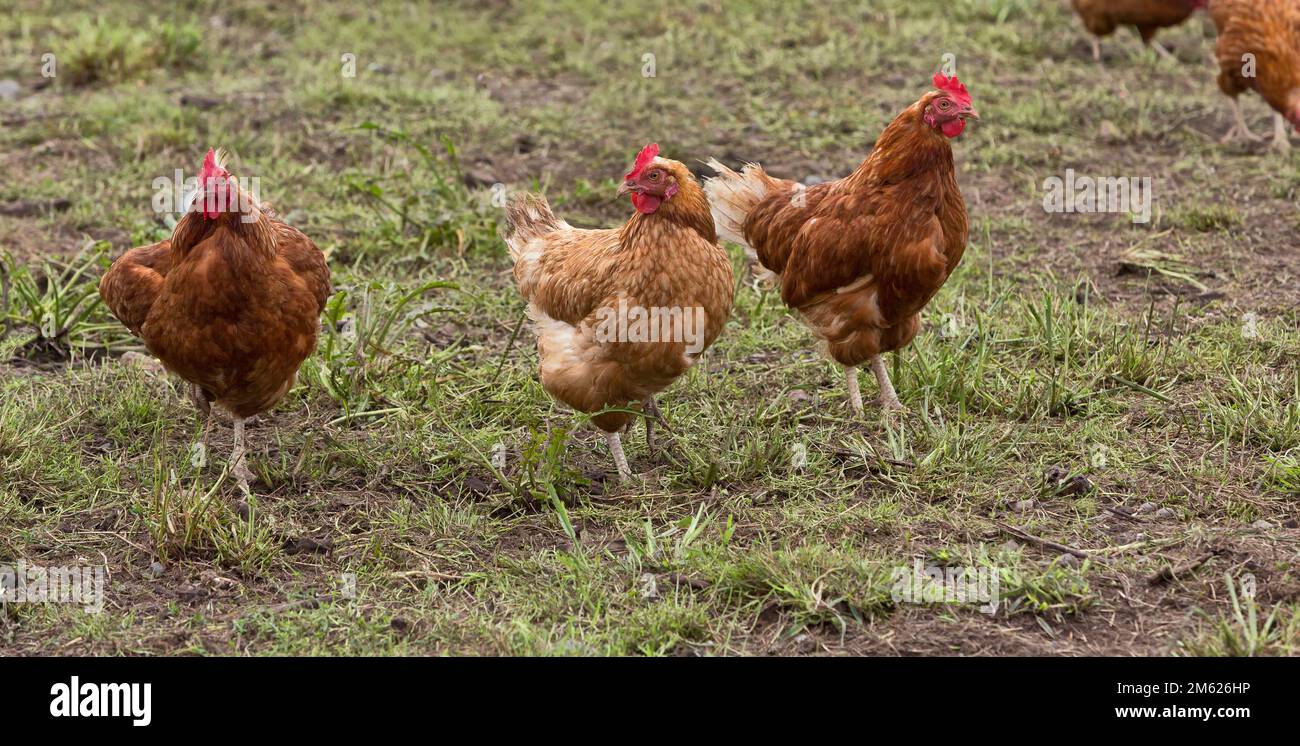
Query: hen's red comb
{"points": [[953, 86], [643, 159], [212, 166]]}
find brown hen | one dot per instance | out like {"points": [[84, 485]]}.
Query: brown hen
{"points": [[231, 303], [621, 313], [1259, 50], [1102, 17], [859, 258]]}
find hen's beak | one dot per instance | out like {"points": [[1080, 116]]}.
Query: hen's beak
{"points": [[970, 113], [627, 188]]}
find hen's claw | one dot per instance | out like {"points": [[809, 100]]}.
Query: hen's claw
{"points": [[1281, 137], [1240, 130]]}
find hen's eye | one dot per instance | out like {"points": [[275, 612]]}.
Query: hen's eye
{"points": [[654, 175]]}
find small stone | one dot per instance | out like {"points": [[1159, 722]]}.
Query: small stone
{"points": [[202, 103], [1262, 525], [191, 593], [1076, 486], [798, 395], [1068, 560], [1166, 514], [157, 569], [378, 69], [480, 178], [1145, 508], [143, 362], [477, 486], [1023, 506], [1054, 475], [805, 644], [9, 89]]}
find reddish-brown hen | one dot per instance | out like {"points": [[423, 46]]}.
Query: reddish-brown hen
{"points": [[231, 303], [1102, 17], [621, 313], [1259, 49], [859, 258]]}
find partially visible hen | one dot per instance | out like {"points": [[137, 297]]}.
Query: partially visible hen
{"points": [[231, 302], [859, 258], [1259, 49], [592, 294], [1102, 17]]}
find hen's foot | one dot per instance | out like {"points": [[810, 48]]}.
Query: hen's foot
{"points": [[888, 400], [1281, 134], [1239, 131], [200, 400], [620, 460], [1162, 52], [652, 417], [855, 392], [238, 461]]}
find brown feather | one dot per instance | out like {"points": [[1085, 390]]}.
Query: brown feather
{"points": [[1102, 17], [232, 306], [670, 258], [861, 256], [1271, 32]]}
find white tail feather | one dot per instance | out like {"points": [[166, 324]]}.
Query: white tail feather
{"points": [[732, 196]]}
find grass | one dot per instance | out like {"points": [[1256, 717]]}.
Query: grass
{"points": [[418, 492]]}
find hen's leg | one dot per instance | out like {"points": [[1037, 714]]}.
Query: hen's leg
{"points": [[888, 398], [199, 452], [200, 400], [855, 393], [1161, 51], [1096, 48], [1239, 129], [1281, 137], [238, 464], [620, 460], [651, 415]]}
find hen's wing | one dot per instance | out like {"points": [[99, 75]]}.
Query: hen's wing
{"points": [[131, 285], [306, 260], [844, 238]]}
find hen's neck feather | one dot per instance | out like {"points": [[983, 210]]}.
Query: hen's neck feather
{"points": [[907, 147], [257, 236]]}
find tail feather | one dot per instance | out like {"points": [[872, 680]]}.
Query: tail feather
{"points": [[528, 217], [733, 195]]}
